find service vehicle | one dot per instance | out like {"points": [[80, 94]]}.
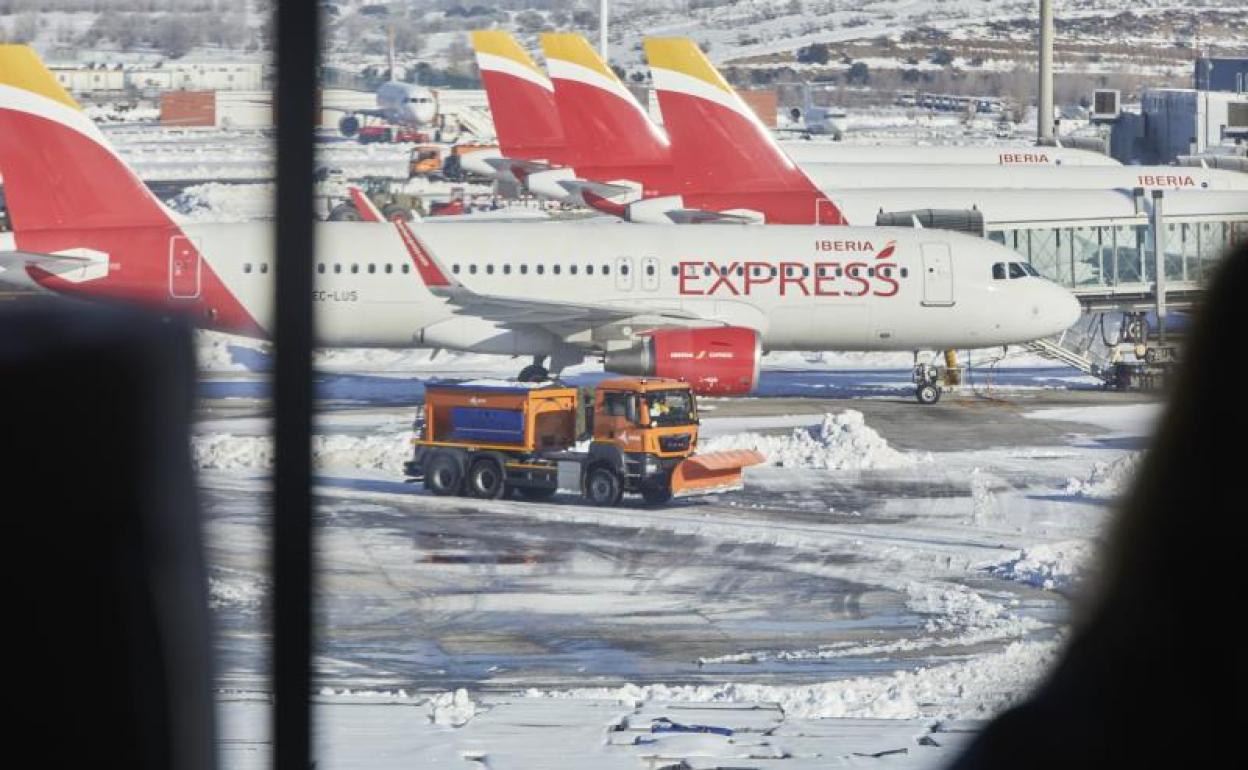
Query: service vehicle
{"points": [[486, 439]]}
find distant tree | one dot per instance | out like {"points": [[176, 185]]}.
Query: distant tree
{"points": [[940, 57], [815, 53], [25, 27], [858, 73], [174, 36], [530, 21]]}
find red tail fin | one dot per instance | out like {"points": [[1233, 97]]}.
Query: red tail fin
{"points": [[521, 98], [720, 147], [603, 124], [59, 172]]}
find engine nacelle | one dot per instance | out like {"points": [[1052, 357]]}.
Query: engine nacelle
{"points": [[349, 125], [719, 361]]}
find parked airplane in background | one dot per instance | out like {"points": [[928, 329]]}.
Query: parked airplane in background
{"points": [[522, 100], [721, 164], [694, 303], [404, 105]]}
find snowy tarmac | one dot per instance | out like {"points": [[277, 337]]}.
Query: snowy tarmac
{"points": [[893, 575]]}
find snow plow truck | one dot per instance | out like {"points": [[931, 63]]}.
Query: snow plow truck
{"points": [[487, 439]]}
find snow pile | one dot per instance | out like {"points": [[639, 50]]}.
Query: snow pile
{"points": [[972, 689], [452, 708], [229, 452], [1053, 567], [217, 202], [953, 607], [841, 442], [1106, 480], [217, 352]]}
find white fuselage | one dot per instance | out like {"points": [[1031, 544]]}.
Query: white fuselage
{"points": [[832, 287], [803, 152], [832, 178]]}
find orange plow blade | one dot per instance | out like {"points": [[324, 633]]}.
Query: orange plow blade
{"points": [[713, 472]]}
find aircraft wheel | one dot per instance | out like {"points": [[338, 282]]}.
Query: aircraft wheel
{"points": [[534, 373], [443, 476], [393, 212], [344, 212], [486, 479], [603, 487], [927, 393]]}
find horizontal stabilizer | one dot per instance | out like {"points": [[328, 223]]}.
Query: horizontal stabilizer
{"points": [[607, 190], [705, 217]]}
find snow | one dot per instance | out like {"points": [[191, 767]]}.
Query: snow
{"points": [[841, 441], [973, 689], [1051, 566], [229, 452], [1107, 479], [452, 708]]}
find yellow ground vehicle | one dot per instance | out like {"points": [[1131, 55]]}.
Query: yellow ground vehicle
{"points": [[486, 439]]}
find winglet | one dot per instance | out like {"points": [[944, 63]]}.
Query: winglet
{"points": [[368, 209], [428, 268]]}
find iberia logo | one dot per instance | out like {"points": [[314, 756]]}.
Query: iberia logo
{"points": [[887, 251]]}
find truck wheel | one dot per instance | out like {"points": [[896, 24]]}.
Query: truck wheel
{"points": [[486, 479], [344, 212], [603, 487], [927, 393], [656, 495], [536, 493], [443, 475]]}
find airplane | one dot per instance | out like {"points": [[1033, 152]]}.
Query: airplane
{"points": [[405, 105], [522, 100], [700, 304], [618, 162]]}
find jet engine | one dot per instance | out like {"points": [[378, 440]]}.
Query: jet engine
{"points": [[719, 361]]}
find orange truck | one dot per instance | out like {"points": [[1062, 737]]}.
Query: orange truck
{"points": [[486, 439]]}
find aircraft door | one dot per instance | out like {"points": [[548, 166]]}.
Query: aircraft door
{"points": [[649, 273], [184, 268], [937, 274], [624, 273]]}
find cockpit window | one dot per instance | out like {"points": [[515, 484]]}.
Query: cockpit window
{"points": [[1017, 271], [998, 271], [1033, 272]]}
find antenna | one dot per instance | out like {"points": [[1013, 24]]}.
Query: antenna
{"points": [[390, 52], [603, 25]]}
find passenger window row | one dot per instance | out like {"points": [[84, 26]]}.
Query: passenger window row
{"points": [[538, 269]]}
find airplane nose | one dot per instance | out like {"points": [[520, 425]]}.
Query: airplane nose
{"points": [[1063, 308]]}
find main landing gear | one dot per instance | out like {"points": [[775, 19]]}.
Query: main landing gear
{"points": [[927, 388], [534, 372]]}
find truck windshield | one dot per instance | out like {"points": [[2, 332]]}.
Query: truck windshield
{"points": [[670, 407]]}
